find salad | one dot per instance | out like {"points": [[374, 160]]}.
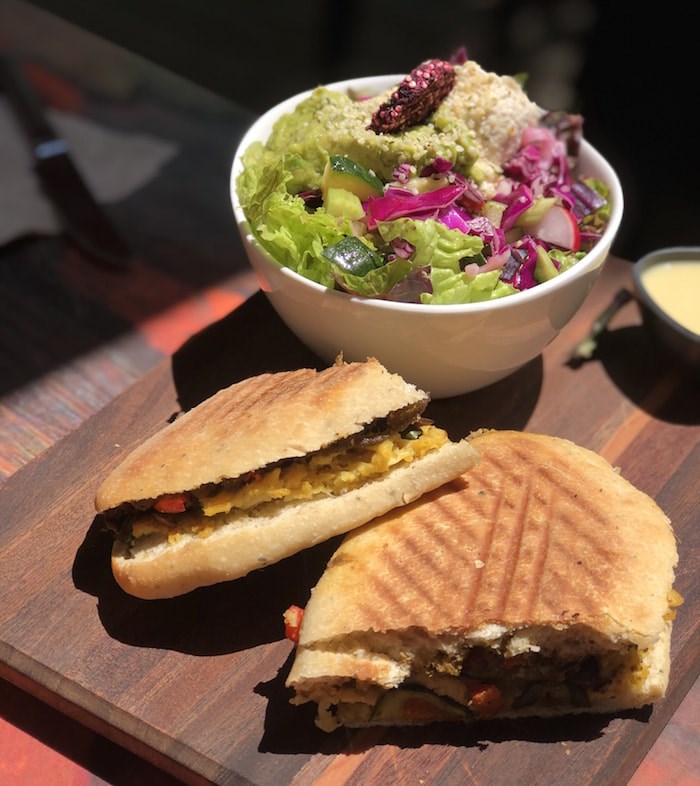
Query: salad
{"points": [[451, 187]]}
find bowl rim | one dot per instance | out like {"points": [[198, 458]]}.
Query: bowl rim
{"points": [[379, 83], [656, 257]]}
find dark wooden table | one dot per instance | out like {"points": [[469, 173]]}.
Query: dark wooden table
{"points": [[97, 687]]}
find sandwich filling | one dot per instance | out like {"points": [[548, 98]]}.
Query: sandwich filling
{"points": [[571, 672], [332, 471]]}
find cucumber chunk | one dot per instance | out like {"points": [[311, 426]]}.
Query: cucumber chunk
{"points": [[343, 172], [534, 214], [353, 256], [343, 203], [544, 266]]}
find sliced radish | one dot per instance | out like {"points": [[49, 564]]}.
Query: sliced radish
{"points": [[558, 227]]}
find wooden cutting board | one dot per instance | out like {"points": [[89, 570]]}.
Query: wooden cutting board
{"points": [[196, 684]]}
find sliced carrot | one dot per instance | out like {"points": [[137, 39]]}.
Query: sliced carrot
{"points": [[171, 503], [292, 622], [486, 701]]}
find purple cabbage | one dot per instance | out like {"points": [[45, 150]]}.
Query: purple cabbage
{"points": [[312, 198], [396, 203], [585, 200], [409, 289], [402, 173], [455, 217], [566, 127], [541, 162], [438, 167], [402, 248], [517, 203], [519, 269], [589, 237], [563, 193]]}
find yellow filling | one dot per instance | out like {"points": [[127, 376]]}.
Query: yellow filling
{"points": [[327, 473], [675, 599]]}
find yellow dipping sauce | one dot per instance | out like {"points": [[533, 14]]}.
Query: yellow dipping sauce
{"points": [[675, 287]]}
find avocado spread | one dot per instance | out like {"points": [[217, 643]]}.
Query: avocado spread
{"points": [[329, 123]]}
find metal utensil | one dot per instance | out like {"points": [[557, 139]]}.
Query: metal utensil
{"points": [[82, 216], [585, 349]]}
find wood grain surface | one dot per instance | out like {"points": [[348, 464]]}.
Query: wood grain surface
{"points": [[196, 684]]}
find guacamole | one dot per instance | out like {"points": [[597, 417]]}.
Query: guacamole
{"points": [[329, 123]]}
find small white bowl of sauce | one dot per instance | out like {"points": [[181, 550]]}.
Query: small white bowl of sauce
{"points": [[667, 282]]}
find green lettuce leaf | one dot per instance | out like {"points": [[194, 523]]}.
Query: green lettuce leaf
{"points": [[566, 259], [279, 219], [378, 282], [434, 243], [450, 288]]}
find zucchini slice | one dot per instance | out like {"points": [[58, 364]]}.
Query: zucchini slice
{"points": [[343, 172]]}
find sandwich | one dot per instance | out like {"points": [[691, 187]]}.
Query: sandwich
{"points": [[539, 583], [267, 467]]}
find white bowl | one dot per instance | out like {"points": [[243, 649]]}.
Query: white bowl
{"points": [[446, 350]]}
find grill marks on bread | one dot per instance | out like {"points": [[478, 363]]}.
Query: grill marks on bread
{"points": [[541, 574], [403, 573], [539, 532], [268, 467], [503, 564], [555, 541], [255, 423]]}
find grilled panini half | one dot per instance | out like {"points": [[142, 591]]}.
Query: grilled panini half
{"points": [[537, 584], [267, 467]]}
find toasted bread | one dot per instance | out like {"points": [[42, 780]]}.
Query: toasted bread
{"points": [[257, 422], [541, 553], [267, 467]]}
